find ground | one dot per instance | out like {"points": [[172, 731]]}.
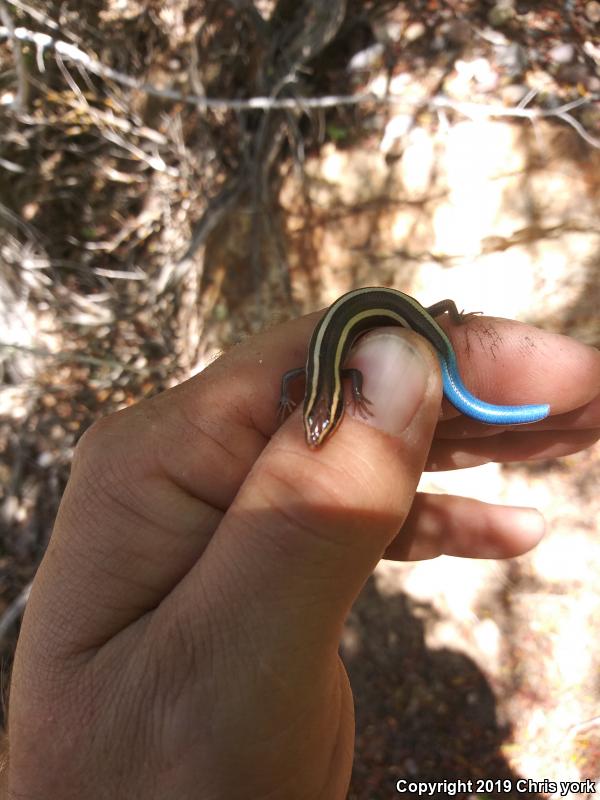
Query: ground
{"points": [[142, 233]]}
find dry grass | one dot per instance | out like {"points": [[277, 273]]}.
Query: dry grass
{"points": [[140, 234]]}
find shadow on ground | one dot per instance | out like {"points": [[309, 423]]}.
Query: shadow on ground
{"points": [[421, 714]]}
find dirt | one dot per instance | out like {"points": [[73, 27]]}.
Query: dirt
{"points": [[140, 236]]}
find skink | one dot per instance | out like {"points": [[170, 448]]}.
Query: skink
{"points": [[348, 318]]}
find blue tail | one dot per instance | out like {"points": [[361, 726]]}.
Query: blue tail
{"points": [[462, 399]]}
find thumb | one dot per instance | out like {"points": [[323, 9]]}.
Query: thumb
{"points": [[308, 526]]}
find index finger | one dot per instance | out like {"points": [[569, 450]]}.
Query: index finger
{"points": [[510, 362]]}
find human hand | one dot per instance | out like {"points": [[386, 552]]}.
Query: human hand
{"points": [[181, 636]]}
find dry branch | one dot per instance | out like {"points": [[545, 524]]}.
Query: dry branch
{"points": [[65, 50], [20, 102]]}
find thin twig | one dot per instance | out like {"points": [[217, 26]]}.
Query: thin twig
{"points": [[576, 125], [10, 166], [586, 725], [19, 223], [120, 274], [70, 52], [14, 611], [35, 14], [20, 102], [485, 111]]}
